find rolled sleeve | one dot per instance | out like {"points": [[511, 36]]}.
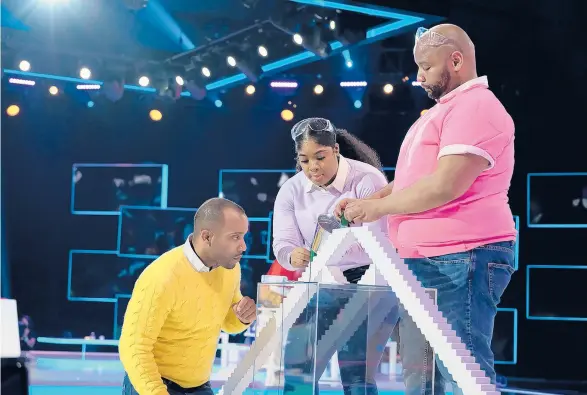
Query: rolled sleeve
{"points": [[480, 126]]}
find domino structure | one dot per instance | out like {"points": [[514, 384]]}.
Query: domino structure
{"points": [[388, 265]]}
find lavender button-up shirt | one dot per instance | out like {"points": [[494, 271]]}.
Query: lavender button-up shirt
{"points": [[300, 202]]}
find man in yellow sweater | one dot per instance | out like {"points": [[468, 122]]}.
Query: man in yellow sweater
{"points": [[181, 302]]}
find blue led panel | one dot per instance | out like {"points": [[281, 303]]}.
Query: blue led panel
{"points": [[151, 231], [255, 190], [119, 310], [101, 188], [557, 200], [556, 292], [98, 276], [505, 336], [517, 247]]}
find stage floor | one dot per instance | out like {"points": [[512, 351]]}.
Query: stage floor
{"points": [[63, 373], [66, 373]]}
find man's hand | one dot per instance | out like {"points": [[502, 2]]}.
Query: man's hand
{"points": [[245, 310], [360, 211], [300, 258], [341, 206]]}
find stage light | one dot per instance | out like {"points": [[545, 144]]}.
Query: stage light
{"points": [[284, 84], [155, 115], [263, 51], [179, 80], [231, 61], [90, 87], [85, 73], [416, 83], [298, 39], [24, 65], [90, 104], [19, 81], [287, 115], [332, 25], [387, 89], [218, 103], [206, 72], [353, 84], [144, 81], [318, 89], [13, 110], [53, 90], [424, 111], [358, 104], [250, 89], [349, 64]]}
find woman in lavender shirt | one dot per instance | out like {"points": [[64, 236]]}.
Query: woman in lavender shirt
{"points": [[324, 178]]}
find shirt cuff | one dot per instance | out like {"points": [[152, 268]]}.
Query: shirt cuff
{"points": [[460, 149]]}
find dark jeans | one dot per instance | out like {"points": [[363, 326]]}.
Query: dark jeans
{"points": [[358, 358], [172, 388], [469, 287]]}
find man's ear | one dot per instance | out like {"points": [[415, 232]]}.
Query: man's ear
{"points": [[206, 236]]}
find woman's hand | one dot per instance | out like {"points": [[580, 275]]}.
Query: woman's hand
{"points": [[300, 258]]}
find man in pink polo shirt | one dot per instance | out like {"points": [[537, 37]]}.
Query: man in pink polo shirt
{"points": [[447, 207]]}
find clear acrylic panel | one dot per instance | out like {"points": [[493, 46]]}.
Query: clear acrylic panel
{"points": [[337, 337]]}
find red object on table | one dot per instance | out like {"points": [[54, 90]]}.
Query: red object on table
{"points": [[277, 270]]}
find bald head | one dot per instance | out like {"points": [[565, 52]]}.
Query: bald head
{"points": [[456, 36], [445, 56], [212, 212]]}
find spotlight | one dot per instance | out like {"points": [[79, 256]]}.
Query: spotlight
{"points": [[284, 84], [230, 60], [424, 111], [349, 64], [358, 104], [387, 89], [263, 51], [218, 103], [287, 115], [88, 87], [13, 110], [318, 89], [250, 89], [332, 25], [144, 81], [24, 65], [155, 115], [53, 90], [298, 39], [90, 104], [179, 80], [353, 84], [19, 81], [206, 72], [85, 73]]}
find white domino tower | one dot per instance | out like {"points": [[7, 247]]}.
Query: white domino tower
{"points": [[387, 269]]}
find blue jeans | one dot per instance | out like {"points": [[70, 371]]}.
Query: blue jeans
{"points": [[469, 287], [172, 388], [358, 358]]}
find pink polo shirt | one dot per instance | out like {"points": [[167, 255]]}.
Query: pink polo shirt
{"points": [[468, 120]]}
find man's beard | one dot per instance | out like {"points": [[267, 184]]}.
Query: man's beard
{"points": [[440, 89]]}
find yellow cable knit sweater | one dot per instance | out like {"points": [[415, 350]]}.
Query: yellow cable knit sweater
{"points": [[173, 321]]}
